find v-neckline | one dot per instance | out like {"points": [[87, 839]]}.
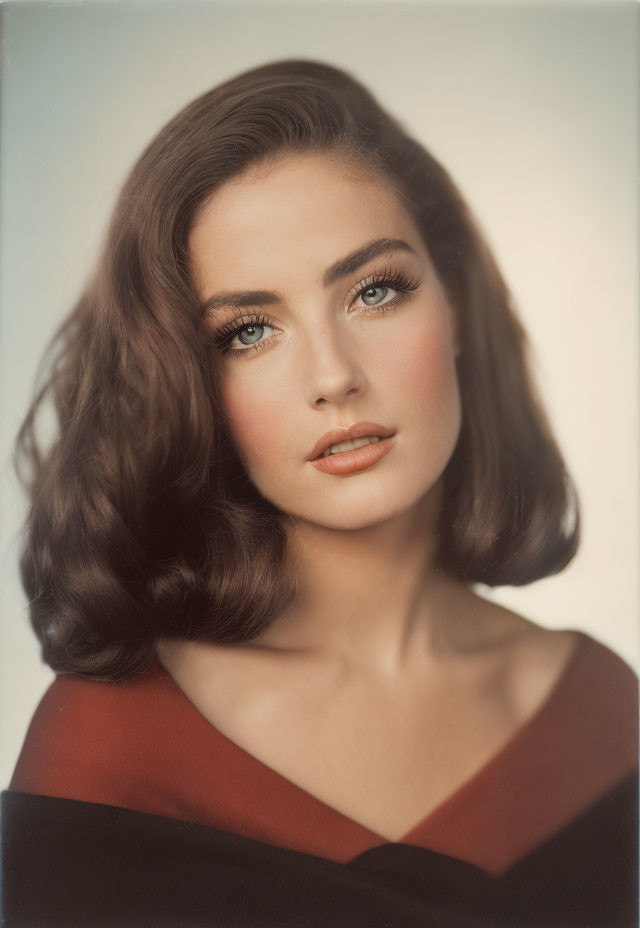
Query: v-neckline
{"points": [[499, 757]]}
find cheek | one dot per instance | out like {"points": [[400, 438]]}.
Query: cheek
{"points": [[258, 422], [427, 383], [424, 370]]}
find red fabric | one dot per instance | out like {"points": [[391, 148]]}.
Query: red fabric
{"points": [[142, 745]]}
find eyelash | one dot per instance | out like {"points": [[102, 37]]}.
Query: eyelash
{"points": [[391, 279]]}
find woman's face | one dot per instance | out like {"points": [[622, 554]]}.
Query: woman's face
{"points": [[328, 313]]}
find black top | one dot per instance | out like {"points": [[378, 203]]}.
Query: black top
{"points": [[77, 864]]}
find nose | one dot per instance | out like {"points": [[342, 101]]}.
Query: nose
{"points": [[333, 372]]}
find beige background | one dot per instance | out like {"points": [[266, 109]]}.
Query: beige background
{"points": [[533, 108]]}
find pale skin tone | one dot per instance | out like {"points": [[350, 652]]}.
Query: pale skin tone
{"points": [[387, 684]]}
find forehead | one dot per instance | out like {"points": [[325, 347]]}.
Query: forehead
{"points": [[303, 209]]}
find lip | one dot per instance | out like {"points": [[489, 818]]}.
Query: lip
{"points": [[351, 462], [357, 430]]}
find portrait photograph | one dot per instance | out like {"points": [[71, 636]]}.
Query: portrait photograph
{"points": [[319, 368]]}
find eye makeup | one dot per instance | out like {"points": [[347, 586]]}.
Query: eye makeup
{"points": [[388, 279], [225, 334], [396, 280]]}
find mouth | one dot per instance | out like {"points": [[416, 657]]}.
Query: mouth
{"points": [[350, 444], [353, 455], [349, 438]]}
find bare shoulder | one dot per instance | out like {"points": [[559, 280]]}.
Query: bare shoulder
{"points": [[532, 658]]}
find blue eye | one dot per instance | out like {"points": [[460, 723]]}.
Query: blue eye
{"points": [[249, 334], [379, 292], [252, 332], [385, 290], [371, 296]]}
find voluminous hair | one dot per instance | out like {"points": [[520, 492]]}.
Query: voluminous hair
{"points": [[143, 521]]}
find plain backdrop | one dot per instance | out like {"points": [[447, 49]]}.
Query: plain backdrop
{"points": [[532, 107]]}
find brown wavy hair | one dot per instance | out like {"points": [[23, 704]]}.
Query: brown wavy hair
{"points": [[143, 521]]}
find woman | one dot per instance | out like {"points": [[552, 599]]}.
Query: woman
{"points": [[295, 427]]}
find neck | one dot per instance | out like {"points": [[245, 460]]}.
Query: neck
{"points": [[370, 597]]}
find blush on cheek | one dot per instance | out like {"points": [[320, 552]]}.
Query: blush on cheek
{"points": [[425, 365], [255, 424], [427, 374]]}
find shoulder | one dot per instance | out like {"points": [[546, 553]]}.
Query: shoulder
{"points": [[602, 687], [593, 670], [567, 669], [529, 647], [578, 741], [587, 671], [84, 734], [588, 707]]}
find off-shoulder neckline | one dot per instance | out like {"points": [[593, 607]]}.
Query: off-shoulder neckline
{"points": [[497, 759]]}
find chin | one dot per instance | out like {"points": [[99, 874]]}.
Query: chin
{"points": [[363, 514]]}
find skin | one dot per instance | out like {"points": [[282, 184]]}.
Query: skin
{"points": [[386, 684]]}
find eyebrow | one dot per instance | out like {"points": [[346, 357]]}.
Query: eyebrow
{"points": [[238, 299]]}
